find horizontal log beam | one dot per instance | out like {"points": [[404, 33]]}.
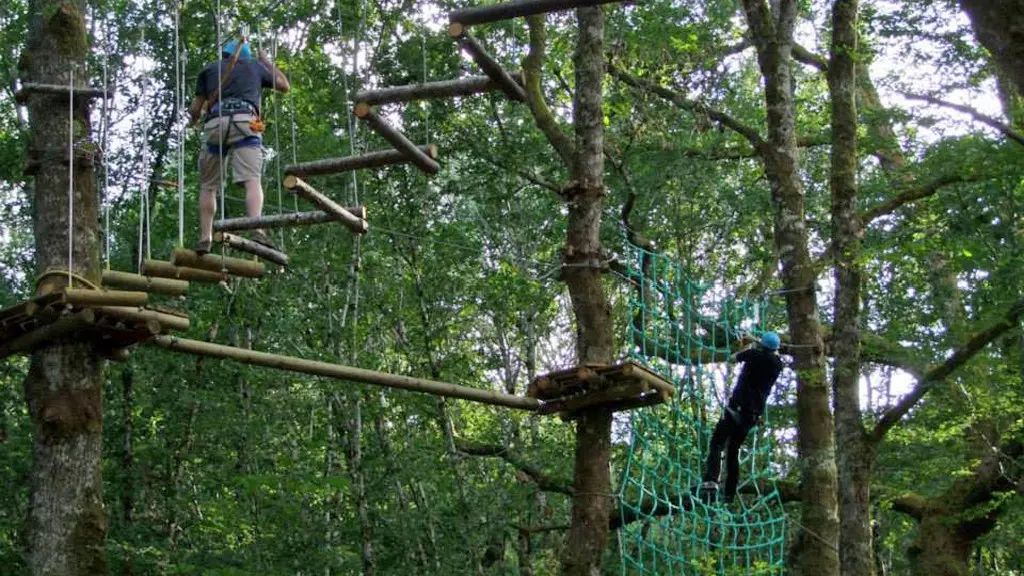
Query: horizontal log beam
{"points": [[217, 263], [349, 163], [325, 369], [129, 281], [516, 9], [245, 245], [283, 220], [164, 269], [365, 112], [88, 297], [299, 187], [487, 63], [432, 90], [29, 88]]}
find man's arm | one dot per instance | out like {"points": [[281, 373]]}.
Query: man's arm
{"points": [[280, 81], [196, 109]]}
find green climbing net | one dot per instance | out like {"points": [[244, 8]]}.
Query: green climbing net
{"points": [[686, 332]]}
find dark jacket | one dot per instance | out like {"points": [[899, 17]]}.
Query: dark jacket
{"points": [[761, 368]]}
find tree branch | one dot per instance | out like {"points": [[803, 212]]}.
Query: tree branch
{"points": [[805, 56], [684, 103], [532, 65], [543, 481], [911, 504], [960, 357], [915, 193], [983, 118]]}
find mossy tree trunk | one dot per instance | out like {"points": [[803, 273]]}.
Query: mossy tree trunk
{"points": [[66, 527]]}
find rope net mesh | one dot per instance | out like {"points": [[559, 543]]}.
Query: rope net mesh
{"points": [[686, 333]]}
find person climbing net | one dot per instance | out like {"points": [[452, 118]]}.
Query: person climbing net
{"points": [[229, 89], [744, 411]]}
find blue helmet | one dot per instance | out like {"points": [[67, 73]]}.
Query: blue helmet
{"points": [[770, 340], [232, 45]]}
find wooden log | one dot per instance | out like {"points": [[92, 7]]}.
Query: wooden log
{"points": [[365, 112], [597, 398], [296, 185], [245, 245], [431, 90], [164, 269], [87, 297], [516, 9], [217, 263], [664, 388], [143, 316], [345, 372], [487, 63], [376, 159], [59, 328], [28, 88], [284, 220], [127, 280]]}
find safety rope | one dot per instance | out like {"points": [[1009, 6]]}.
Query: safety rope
{"points": [[71, 276], [179, 92], [105, 134], [71, 169]]}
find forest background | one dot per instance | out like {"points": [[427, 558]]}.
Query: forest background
{"points": [[213, 467]]}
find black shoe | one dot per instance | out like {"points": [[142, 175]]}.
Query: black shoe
{"points": [[203, 247], [260, 237]]}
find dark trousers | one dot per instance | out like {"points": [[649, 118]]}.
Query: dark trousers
{"points": [[729, 435]]}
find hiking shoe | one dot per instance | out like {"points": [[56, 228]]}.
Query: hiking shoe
{"points": [[203, 247], [261, 237], [709, 486]]}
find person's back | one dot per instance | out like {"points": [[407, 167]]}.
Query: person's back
{"points": [[242, 81], [761, 368]]}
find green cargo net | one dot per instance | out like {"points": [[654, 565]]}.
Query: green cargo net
{"points": [[686, 333]]}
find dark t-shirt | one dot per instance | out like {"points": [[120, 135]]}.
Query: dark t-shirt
{"points": [[761, 368], [244, 83]]}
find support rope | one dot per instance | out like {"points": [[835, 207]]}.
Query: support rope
{"points": [[71, 169]]}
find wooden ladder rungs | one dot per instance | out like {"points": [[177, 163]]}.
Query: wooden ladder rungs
{"points": [[165, 269], [245, 245]]}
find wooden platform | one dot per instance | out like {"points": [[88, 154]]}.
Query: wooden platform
{"points": [[621, 386], [111, 326]]}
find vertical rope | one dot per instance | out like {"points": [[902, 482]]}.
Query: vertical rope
{"points": [[277, 142], [105, 142], [71, 169], [291, 106], [220, 82], [179, 89]]}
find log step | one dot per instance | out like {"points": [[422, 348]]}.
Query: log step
{"points": [[365, 112], [299, 187], [284, 220], [127, 280], [487, 63], [216, 263], [165, 269], [616, 387], [431, 90], [376, 159], [255, 248]]}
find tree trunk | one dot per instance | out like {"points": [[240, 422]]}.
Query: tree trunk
{"points": [[592, 484], [999, 27], [773, 38], [853, 453], [66, 527]]}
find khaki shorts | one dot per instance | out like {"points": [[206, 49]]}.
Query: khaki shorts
{"points": [[246, 162]]}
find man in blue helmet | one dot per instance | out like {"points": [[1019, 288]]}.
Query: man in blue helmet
{"points": [[761, 368], [230, 90]]}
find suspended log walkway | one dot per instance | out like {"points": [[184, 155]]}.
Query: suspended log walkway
{"points": [[284, 220], [441, 89], [348, 163], [255, 248], [340, 372], [487, 63], [516, 9], [350, 220], [365, 112]]}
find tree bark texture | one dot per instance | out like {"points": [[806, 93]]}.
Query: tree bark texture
{"points": [[853, 451], [591, 506], [999, 27], [773, 38], [66, 527]]}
